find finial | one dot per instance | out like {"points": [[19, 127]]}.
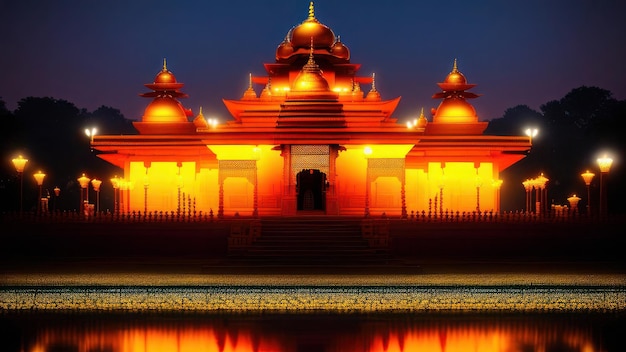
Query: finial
{"points": [[200, 113], [374, 81], [311, 50], [311, 11], [422, 113], [454, 67], [250, 80], [164, 64]]}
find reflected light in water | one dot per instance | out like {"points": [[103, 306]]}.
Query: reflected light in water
{"points": [[312, 332]]}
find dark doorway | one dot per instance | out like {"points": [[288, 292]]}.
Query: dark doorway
{"points": [[311, 189]]}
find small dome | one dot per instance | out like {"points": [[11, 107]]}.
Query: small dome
{"points": [[340, 50], [164, 109], [165, 76], [312, 30], [310, 81], [455, 110], [455, 77], [284, 50]]}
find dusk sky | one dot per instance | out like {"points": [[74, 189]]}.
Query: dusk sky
{"points": [[95, 53]]}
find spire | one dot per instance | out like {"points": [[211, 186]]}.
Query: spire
{"points": [[249, 94], [311, 11], [454, 67], [421, 121], [311, 65], [374, 82], [266, 93], [373, 94], [199, 121], [164, 65]]}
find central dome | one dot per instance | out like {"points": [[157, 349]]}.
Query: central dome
{"points": [[455, 110], [164, 109], [312, 30]]}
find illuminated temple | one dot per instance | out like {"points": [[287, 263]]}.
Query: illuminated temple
{"points": [[311, 135]]}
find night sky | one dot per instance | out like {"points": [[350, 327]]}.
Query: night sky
{"points": [[95, 53]]}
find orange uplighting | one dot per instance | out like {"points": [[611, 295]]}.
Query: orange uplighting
{"points": [[312, 100]]}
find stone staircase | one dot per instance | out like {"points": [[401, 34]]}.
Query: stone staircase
{"points": [[307, 241]]}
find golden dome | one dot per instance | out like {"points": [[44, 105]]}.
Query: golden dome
{"points": [[455, 110], [340, 50], [310, 78], [312, 30], [164, 80], [165, 76], [284, 50], [164, 109], [455, 81]]}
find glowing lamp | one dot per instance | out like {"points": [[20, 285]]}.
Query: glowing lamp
{"points": [[587, 177], [39, 176], [605, 163], [115, 181], [531, 133], [96, 184], [367, 151], [19, 163], [83, 181], [573, 201]]}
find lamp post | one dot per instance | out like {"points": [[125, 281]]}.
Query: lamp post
{"points": [[543, 194], [146, 185], [496, 185], [84, 184], [39, 176], [528, 187], [115, 181], [479, 184], [96, 187], [531, 133], [605, 165], [587, 177], [573, 204], [91, 132], [19, 164], [57, 192]]}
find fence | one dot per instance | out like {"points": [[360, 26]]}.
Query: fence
{"points": [[200, 216]]}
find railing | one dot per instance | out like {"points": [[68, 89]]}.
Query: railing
{"points": [[200, 216]]}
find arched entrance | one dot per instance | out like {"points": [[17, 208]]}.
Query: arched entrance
{"points": [[311, 190]]}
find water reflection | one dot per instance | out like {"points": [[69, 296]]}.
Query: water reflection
{"points": [[36, 332]]}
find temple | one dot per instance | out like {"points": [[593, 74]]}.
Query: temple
{"points": [[312, 140]]}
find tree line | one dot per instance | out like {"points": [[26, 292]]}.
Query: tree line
{"points": [[573, 131]]}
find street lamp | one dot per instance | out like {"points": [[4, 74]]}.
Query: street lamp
{"points": [[19, 164], [115, 181], [528, 186], [39, 176], [543, 198], [479, 184], [496, 184], [57, 192], [91, 132], [146, 185], [531, 133], [84, 184], [605, 165], [573, 204], [587, 177], [96, 187]]}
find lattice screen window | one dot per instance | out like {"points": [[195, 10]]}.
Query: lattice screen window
{"points": [[309, 157], [393, 167], [237, 168]]}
